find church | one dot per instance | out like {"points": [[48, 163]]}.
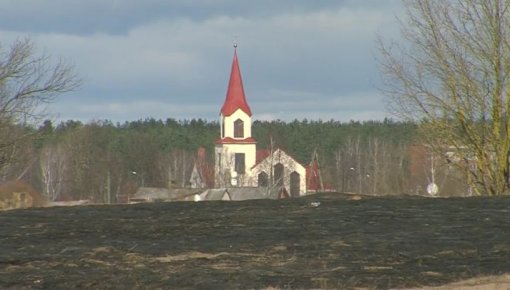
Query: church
{"points": [[238, 161], [241, 171]]}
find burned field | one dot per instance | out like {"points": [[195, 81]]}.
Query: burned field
{"points": [[321, 241]]}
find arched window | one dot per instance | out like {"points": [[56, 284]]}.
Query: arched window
{"points": [[295, 182], [263, 179], [239, 163], [238, 128]]}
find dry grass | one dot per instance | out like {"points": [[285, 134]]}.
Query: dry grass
{"points": [[501, 282]]}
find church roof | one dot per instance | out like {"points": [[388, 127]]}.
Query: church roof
{"points": [[235, 98], [240, 193], [228, 140], [261, 155], [313, 182]]}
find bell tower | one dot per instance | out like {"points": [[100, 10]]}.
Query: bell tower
{"points": [[235, 150]]}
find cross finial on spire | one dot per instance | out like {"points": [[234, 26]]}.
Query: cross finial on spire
{"points": [[235, 40]]}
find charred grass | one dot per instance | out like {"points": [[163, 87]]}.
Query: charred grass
{"points": [[344, 242]]}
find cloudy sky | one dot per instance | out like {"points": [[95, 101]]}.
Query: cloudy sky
{"points": [[171, 58]]}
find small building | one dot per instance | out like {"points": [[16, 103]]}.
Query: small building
{"points": [[18, 194], [239, 193], [156, 194], [314, 182]]}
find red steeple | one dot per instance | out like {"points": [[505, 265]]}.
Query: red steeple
{"points": [[235, 98]]}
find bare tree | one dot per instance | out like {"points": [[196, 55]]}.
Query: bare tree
{"points": [[225, 166], [53, 164], [348, 165], [373, 166], [27, 81], [176, 166], [451, 74]]}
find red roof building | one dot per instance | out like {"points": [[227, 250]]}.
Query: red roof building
{"points": [[238, 163], [313, 179]]}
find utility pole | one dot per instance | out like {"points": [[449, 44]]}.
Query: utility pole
{"points": [[108, 189]]}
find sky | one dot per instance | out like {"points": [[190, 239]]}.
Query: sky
{"points": [[172, 58]]}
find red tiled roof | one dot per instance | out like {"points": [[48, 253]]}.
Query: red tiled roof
{"points": [[313, 181], [235, 98], [261, 155], [229, 140]]}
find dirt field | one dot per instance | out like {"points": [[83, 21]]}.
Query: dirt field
{"points": [[322, 241]]}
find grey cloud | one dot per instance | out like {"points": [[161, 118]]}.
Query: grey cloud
{"points": [[119, 16], [179, 53]]}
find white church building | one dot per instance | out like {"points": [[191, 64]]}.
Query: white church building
{"points": [[238, 162]]}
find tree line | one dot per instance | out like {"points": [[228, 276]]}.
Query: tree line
{"points": [[102, 161]]}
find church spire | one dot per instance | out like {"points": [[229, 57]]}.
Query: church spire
{"points": [[235, 98]]}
